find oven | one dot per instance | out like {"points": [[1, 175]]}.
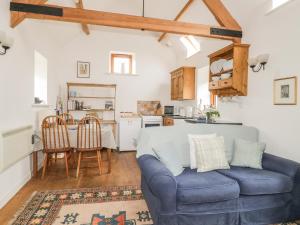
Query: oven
{"points": [[152, 121]]}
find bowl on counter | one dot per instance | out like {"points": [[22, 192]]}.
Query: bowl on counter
{"points": [[225, 76], [216, 78]]}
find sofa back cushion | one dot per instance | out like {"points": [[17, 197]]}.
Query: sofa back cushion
{"points": [[150, 137]]}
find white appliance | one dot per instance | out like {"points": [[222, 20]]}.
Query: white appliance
{"points": [[152, 121], [129, 129]]}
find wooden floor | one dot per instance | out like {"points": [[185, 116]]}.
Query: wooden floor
{"points": [[125, 171]]}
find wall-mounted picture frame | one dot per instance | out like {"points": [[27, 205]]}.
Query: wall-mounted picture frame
{"points": [[285, 91], [83, 69]]}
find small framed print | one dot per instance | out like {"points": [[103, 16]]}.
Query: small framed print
{"points": [[285, 91], [83, 69]]}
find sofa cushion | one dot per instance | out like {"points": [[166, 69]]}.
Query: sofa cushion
{"points": [[193, 187], [259, 182]]}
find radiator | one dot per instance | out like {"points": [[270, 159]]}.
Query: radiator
{"points": [[14, 146]]}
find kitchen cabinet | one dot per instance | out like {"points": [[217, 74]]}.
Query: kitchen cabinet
{"points": [[237, 84], [183, 84]]}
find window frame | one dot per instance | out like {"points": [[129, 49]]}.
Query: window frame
{"points": [[121, 55]]}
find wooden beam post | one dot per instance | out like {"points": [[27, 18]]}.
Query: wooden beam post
{"points": [[222, 14], [75, 15], [84, 26], [17, 17], [182, 11]]}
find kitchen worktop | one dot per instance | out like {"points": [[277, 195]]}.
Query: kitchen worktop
{"points": [[177, 117], [211, 122]]}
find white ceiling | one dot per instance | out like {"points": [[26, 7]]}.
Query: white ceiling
{"points": [[167, 9]]}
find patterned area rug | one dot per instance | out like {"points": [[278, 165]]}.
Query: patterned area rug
{"points": [[96, 206]]}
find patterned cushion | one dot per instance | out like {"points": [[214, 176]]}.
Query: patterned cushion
{"points": [[211, 154], [193, 156]]}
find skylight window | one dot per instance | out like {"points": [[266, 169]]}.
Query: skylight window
{"points": [[191, 44], [277, 3]]}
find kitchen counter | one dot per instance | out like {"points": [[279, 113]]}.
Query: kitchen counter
{"points": [[177, 117], [211, 122]]}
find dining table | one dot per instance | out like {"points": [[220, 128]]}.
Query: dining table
{"points": [[107, 141]]}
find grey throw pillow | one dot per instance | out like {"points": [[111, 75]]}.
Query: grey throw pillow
{"points": [[248, 154], [168, 155]]}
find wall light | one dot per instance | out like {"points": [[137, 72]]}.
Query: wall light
{"points": [[259, 62], [5, 43]]}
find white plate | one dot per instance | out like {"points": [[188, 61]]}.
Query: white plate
{"points": [[214, 67], [220, 64], [228, 65]]}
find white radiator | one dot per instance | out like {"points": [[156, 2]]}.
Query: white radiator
{"points": [[14, 146]]}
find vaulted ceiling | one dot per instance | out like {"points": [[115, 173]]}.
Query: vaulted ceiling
{"points": [[166, 9]]}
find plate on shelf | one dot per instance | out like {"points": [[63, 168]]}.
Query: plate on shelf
{"points": [[220, 64], [214, 67], [228, 65]]}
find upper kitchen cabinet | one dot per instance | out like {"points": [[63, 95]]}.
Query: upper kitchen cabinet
{"points": [[229, 71], [183, 84]]}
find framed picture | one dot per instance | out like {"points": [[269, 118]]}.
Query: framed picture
{"points": [[285, 91], [83, 69]]}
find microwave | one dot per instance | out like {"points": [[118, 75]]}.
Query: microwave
{"points": [[169, 110]]}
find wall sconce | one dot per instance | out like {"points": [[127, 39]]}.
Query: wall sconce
{"points": [[5, 43], [259, 62]]}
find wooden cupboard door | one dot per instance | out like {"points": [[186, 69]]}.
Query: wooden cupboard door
{"points": [[180, 80], [174, 89]]}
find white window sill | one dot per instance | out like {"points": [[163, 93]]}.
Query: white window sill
{"points": [[122, 74], [34, 105]]}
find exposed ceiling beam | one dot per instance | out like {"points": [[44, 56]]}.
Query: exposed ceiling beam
{"points": [[222, 14], [17, 17], [84, 26], [75, 15], [182, 11]]}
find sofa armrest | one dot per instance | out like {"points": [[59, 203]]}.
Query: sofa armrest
{"points": [[160, 181], [281, 165]]}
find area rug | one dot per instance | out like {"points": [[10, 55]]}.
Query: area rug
{"points": [[95, 206]]}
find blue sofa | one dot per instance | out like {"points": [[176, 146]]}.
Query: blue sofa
{"points": [[239, 196]]}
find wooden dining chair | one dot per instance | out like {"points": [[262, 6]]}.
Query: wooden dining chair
{"points": [[89, 140], [55, 140], [68, 118]]}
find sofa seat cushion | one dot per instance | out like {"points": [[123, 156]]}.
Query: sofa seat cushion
{"points": [[259, 182], [208, 187]]}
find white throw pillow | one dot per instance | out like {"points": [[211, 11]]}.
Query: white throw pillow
{"points": [[211, 154], [193, 137]]}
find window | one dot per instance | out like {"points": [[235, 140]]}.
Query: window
{"points": [[122, 63], [277, 3], [191, 44], [40, 78]]}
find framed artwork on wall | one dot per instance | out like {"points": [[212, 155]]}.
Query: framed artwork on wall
{"points": [[83, 69], [285, 91]]}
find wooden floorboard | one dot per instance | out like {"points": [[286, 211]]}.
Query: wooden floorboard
{"points": [[125, 171]]}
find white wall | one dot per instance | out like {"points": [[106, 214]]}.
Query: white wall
{"points": [[154, 62], [62, 49], [279, 125], [16, 93], [277, 34]]}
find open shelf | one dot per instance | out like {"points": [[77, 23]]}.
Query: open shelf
{"points": [[82, 97], [88, 110], [222, 72]]}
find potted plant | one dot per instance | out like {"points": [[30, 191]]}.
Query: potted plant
{"points": [[212, 113]]}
